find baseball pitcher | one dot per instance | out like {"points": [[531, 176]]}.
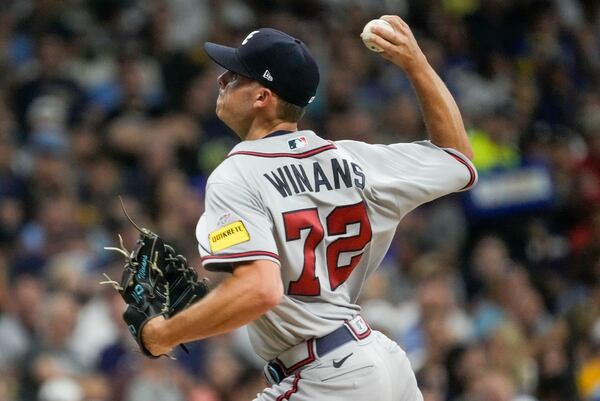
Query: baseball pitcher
{"points": [[300, 222]]}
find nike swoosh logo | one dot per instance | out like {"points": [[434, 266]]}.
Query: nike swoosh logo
{"points": [[337, 364]]}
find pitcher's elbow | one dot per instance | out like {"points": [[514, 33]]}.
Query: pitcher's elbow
{"points": [[270, 295], [275, 296]]}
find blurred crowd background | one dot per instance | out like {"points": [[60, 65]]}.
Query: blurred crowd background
{"points": [[494, 294]]}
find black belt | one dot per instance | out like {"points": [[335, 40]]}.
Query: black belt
{"points": [[324, 345]]}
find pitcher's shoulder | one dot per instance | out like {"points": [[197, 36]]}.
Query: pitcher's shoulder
{"points": [[230, 171], [359, 149]]}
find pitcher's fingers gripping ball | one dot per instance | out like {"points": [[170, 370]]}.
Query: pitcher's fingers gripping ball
{"points": [[367, 34], [397, 44], [156, 281]]}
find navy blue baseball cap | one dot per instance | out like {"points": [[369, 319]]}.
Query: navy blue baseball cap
{"points": [[277, 60]]}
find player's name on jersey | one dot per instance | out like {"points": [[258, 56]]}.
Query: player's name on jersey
{"points": [[295, 178]]}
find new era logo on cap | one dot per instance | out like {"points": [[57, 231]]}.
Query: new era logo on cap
{"points": [[267, 76]]}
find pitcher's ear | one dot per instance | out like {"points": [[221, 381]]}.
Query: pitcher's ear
{"points": [[264, 96]]}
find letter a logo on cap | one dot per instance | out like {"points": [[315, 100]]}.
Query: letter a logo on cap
{"points": [[267, 76], [248, 37]]}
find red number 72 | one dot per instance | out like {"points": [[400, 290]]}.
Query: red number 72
{"points": [[337, 222]]}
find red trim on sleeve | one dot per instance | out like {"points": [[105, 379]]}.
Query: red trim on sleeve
{"points": [[240, 255], [468, 166], [292, 390], [302, 155]]}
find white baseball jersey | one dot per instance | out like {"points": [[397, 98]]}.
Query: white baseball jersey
{"points": [[325, 212]]}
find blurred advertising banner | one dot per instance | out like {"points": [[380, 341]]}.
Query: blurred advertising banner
{"points": [[512, 190]]}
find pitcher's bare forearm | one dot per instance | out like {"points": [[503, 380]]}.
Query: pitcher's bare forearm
{"points": [[442, 117], [440, 112]]}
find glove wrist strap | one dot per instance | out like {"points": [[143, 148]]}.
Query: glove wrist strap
{"points": [[136, 320]]}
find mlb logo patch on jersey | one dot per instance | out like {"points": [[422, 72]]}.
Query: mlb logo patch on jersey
{"points": [[298, 142]]}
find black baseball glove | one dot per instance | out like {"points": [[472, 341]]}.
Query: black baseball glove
{"points": [[155, 281]]}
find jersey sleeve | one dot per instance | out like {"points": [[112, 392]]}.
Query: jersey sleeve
{"points": [[406, 175], [234, 228]]}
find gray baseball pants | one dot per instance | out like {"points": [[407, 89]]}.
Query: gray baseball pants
{"points": [[372, 369]]}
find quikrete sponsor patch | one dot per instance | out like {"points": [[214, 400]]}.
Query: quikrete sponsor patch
{"points": [[230, 235]]}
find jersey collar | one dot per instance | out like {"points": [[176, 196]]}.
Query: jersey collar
{"points": [[292, 143], [277, 133]]}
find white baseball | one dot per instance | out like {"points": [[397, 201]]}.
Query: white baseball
{"points": [[367, 35]]}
